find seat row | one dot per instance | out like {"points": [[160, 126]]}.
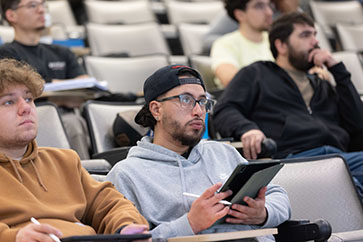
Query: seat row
{"points": [[318, 187]]}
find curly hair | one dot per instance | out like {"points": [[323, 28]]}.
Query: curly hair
{"points": [[13, 72]]}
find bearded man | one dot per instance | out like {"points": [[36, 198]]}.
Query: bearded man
{"points": [[304, 114]]}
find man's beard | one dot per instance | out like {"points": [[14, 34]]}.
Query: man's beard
{"points": [[179, 133], [41, 28], [299, 60]]}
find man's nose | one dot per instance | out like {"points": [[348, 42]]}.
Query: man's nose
{"points": [[23, 106], [197, 109]]}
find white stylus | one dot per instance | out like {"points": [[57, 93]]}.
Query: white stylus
{"points": [[224, 202], [53, 236]]}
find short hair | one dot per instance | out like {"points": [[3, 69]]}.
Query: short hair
{"points": [[13, 72], [231, 5], [283, 27], [8, 4], [144, 117]]}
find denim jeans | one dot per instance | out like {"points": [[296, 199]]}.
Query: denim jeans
{"points": [[354, 161]]}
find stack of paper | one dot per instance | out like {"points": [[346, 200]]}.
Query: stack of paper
{"points": [[76, 84]]}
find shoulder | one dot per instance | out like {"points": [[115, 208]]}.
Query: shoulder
{"points": [[230, 39], [55, 48], [9, 49], [259, 66], [66, 156]]}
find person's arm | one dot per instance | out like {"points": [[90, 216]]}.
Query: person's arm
{"points": [[225, 73], [236, 105], [349, 103], [107, 209], [224, 61]]}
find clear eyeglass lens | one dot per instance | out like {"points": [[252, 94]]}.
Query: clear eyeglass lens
{"points": [[189, 102]]}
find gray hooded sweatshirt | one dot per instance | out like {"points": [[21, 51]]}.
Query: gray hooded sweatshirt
{"points": [[154, 178]]}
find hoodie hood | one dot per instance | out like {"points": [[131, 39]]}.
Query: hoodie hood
{"points": [[146, 150], [29, 158]]}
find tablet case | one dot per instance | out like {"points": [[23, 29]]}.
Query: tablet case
{"points": [[248, 179], [106, 238]]}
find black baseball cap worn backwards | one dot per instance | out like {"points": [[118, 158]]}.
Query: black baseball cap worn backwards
{"points": [[166, 79]]}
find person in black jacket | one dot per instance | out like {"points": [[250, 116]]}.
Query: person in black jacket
{"points": [[304, 114]]}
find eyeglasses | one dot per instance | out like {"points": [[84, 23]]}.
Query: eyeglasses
{"points": [[32, 5], [188, 102], [261, 6]]}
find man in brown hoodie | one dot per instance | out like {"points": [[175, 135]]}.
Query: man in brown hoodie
{"points": [[48, 183]]}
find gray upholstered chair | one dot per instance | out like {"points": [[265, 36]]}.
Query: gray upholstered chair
{"points": [[51, 133], [124, 74], [119, 12], [100, 117], [322, 187], [131, 39]]}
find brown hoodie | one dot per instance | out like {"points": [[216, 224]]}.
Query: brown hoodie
{"points": [[50, 185]]}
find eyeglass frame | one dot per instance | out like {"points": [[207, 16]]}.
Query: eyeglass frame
{"points": [[180, 96], [260, 6], [32, 5]]}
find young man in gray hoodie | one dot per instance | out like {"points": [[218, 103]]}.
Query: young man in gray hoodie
{"points": [[159, 169]]}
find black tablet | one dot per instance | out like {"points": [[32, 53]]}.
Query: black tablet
{"points": [[248, 179], [106, 238]]}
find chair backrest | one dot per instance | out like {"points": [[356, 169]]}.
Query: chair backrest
{"points": [[51, 131], [124, 74], [191, 37], [203, 65], [119, 12], [354, 66], [322, 187], [328, 14], [133, 39], [100, 117], [7, 34], [193, 12], [323, 39], [351, 36], [61, 13]]}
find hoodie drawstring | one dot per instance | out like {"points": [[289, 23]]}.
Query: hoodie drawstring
{"points": [[15, 169], [181, 171], [38, 176], [19, 176]]}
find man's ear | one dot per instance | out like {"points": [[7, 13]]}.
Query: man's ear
{"points": [[10, 15], [281, 47], [155, 109], [239, 14]]}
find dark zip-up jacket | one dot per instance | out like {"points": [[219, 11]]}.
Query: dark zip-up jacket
{"points": [[263, 96]]}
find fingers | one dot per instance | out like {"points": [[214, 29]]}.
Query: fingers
{"points": [[134, 229], [211, 191], [253, 213], [213, 197], [48, 229], [321, 57], [251, 143]]}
